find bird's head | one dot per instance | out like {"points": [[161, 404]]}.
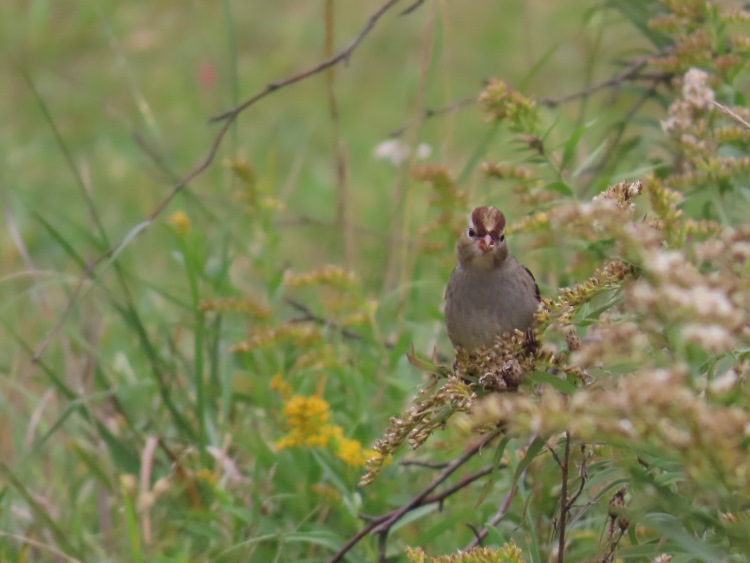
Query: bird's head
{"points": [[482, 245]]}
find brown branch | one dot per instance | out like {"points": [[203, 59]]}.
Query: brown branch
{"points": [[476, 533], [228, 118], [554, 455], [309, 316], [644, 97], [731, 113], [455, 464], [426, 464], [382, 540], [411, 8], [583, 475], [434, 112], [341, 56], [494, 521], [631, 72], [609, 556], [463, 483], [564, 500], [386, 522]]}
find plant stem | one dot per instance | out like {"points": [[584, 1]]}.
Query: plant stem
{"points": [[564, 499]]}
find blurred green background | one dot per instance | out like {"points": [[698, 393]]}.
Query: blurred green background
{"points": [[105, 104]]}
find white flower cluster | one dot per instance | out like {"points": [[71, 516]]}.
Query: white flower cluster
{"points": [[697, 97], [695, 89], [678, 291], [397, 151]]}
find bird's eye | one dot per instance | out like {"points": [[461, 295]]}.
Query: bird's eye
{"points": [[502, 238], [472, 233]]}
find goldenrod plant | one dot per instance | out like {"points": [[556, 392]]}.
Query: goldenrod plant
{"points": [[225, 341]]}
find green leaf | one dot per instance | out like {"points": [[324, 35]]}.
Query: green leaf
{"points": [[559, 383], [499, 450], [570, 146], [124, 457], [531, 452], [560, 187], [640, 13], [478, 154]]}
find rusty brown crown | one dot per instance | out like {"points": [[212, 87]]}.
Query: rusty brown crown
{"points": [[488, 221]]}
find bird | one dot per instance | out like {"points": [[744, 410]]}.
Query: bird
{"points": [[489, 293]]}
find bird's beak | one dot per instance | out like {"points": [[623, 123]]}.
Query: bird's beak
{"points": [[485, 243]]}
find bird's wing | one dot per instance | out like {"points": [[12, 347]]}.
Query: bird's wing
{"points": [[537, 293], [449, 285]]}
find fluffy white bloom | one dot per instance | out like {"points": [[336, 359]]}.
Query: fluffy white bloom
{"points": [[626, 426], [708, 301], [662, 262], [393, 150], [714, 338], [397, 151], [725, 382], [695, 89], [424, 151]]}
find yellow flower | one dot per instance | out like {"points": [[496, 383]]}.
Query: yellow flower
{"points": [[281, 387], [306, 413], [307, 420], [329, 275], [307, 424], [179, 222], [350, 452], [207, 475]]}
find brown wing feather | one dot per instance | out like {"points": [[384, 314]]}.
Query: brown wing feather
{"points": [[537, 293]]}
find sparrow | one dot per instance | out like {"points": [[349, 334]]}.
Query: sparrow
{"points": [[489, 293]]}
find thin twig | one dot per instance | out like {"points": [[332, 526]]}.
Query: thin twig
{"points": [[631, 72], [411, 8], [341, 56], [227, 118], [434, 112], [462, 484], [426, 464], [609, 556], [476, 533], [583, 475], [564, 500], [455, 464], [554, 455], [492, 522], [731, 113], [309, 316], [382, 543], [645, 96], [388, 520]]}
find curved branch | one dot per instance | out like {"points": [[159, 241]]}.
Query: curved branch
{"points": [[383, 524], [341, 56], [228, 118]]}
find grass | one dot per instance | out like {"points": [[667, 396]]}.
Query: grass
{"points": [[140, 434]]}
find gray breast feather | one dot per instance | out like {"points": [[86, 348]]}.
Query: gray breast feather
{"points": [[483, 305]]}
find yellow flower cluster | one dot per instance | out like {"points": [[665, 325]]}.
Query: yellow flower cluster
{"points": [[330, 275], [503, 103], [507, 171], [319, 358], [308, 425], [252, 307], [307, 420], [179, 222], [300, 335], [281, 387], [508, 553]]}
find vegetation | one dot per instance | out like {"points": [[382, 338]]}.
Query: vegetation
{"points": [[225, 342]]}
